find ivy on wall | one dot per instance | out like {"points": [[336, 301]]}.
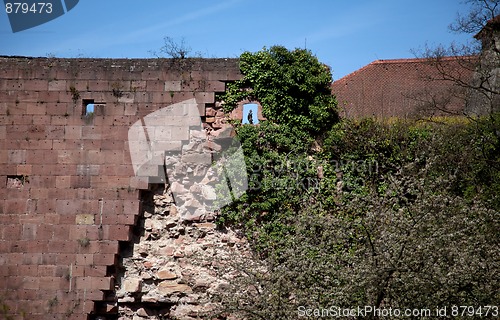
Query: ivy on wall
{"points": [[292, 86]]}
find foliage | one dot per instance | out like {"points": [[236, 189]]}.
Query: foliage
{"points": [[75, 94], [293, 88], [358, 213], [436, 251], [279, 169], [419, 229]]}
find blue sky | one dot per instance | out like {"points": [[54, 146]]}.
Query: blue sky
{"points": [[346, 35]]}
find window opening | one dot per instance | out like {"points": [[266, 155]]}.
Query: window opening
{"points": [[88, 107], [250, 113], [17, 182]]}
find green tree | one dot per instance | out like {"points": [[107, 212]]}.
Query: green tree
{"points": [[293, 88]]}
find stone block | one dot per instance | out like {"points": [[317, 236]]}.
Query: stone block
{"points": [[85, 259], [215, 86], [14, 206], [155, 85], [24, 170], [98, 85], [177, 188], [210, 112], [197, 158], [168, 288], [160, 97], [165, 274], [36, 85], [127, 219], [85, 219], [80, 85], [87, 170], [69, 156], [132, 285], [83, 283], [117, 232], [138, 85], [172, 146], [94, 271], [210, 119], [58, 85], [168, 251], [37, 144], [206, 225], [208, 192], [17, 156], [161, 133], [61, 246], [102, 283], [104, 259], [63, 182], [50, 283], [204, 97], [197, 215], [130, 109], [108, 144], [179, 133], [141, 183], [80, 182], [210, 145], [91, 132], [36, 109], [193, 86], [172, 85]]}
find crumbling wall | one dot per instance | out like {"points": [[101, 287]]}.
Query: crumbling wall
{"points": [[172, 269], [69, 196]]}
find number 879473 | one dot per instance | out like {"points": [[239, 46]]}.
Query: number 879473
{"points": [[26, 8]]}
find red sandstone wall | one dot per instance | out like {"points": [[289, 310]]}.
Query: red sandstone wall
{"points": [[68, 194]]}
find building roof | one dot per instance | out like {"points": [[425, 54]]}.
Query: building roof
{"points": [[403, 87], [492, 24]]}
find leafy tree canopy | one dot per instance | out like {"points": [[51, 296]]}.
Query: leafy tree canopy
{"points": [[293, 88]]}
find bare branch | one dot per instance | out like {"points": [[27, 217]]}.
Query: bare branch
{"points": [[481, 11], [173, 49]]}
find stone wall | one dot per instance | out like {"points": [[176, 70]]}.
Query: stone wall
{"points": [[484, 92], [70, 199], [172, 269]]}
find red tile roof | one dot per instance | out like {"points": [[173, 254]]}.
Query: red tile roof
{"points": [[403, 87]]}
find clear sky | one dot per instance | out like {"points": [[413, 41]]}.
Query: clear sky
{"points": [[346, 35]]}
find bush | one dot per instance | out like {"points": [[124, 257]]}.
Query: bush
{"points": [[418, 230]]}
